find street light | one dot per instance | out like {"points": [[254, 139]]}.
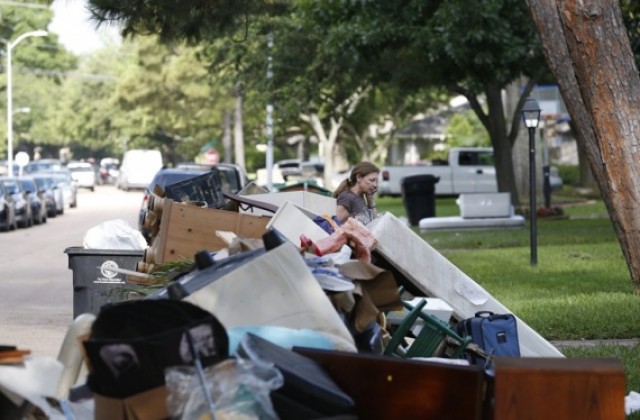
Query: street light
{"points": [[531, 118], [10, 46]]}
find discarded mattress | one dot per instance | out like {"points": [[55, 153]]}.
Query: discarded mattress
{"points": [[436, 276], [458, 222]]}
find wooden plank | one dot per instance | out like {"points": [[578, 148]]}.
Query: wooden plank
{"points": [[558, 389], [390, 388]]}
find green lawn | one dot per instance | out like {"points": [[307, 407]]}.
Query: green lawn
{"points": [[580, 289]]}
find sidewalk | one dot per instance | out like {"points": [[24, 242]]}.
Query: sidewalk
{"points": [[630, 342]]}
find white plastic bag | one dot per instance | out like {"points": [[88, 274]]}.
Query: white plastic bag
{"points": [[114, 234]]}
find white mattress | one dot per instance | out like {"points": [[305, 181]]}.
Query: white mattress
{"points": [[436, 276]]}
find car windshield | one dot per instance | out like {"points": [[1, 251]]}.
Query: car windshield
{"points": [[162, 179], [11, 186], [45, 182], [29, 186]]}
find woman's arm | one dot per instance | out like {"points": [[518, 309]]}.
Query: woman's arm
{"points": [[342, 213]]}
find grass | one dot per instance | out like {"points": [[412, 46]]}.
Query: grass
{"points": [[580, 289]]}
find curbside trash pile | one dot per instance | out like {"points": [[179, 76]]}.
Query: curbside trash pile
{"points": [[282, 313]]}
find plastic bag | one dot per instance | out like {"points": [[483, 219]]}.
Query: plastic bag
{"points": [[114, 234], [239, 388]]}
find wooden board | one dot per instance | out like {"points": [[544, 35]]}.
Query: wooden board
{"points": [[185, 230], [390, 388], [559, 389]]}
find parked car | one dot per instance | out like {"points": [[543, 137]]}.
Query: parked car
{"points": [[36, 199], [84, 173], [138, 168], [43, 165], [22, 207], [163, 177], [52, 193], [109, 169], [68, 187], [7, 210]]}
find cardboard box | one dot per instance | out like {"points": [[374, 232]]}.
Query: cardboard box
{"points": [[148, 405], [314, 202], [292, 221], [185, 230]]}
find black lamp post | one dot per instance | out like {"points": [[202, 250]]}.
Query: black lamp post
{"points": [[531, 118]]}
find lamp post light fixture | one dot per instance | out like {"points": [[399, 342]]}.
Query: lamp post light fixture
{"points": [[531, 118], [10, 46]]}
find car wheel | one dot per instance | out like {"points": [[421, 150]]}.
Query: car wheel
{"points": [[92, 189]]}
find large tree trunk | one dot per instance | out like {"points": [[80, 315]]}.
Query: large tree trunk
{"points": [[587, 48], [494, 122]]}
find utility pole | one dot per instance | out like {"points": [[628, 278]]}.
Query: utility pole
{"points": [[269, 160]]}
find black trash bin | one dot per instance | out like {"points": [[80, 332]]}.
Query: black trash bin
{"points": [[94, 284], [419, 196]]}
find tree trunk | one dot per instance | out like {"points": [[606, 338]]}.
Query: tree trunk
{"points": [[587, 48], [494, 122]]}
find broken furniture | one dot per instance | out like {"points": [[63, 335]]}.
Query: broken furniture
{"points": [[431, 339]]}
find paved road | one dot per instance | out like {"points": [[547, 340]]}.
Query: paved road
{"points": [[36, 294]]}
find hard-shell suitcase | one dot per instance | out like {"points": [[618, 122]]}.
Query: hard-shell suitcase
{"points": [[496, 334]]}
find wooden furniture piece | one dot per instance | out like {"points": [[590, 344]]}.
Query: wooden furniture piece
{"points": [[185, 230], [430, 341], [552, 388], [391, 388]]}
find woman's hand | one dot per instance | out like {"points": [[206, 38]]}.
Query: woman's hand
{"points": [[371, 200]]}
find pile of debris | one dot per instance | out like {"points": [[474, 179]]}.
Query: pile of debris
{"points": [[281, 313]]}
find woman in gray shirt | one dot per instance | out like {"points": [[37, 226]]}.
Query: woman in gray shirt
{"points": [[355, 195]]}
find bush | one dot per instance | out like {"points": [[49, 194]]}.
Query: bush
{"points": [[570, 174]]}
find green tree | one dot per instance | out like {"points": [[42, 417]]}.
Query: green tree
{"points": [[465, 130], [39, 67], [471, 51]]}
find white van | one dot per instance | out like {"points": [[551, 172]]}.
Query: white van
{"points": [[138, 168]]}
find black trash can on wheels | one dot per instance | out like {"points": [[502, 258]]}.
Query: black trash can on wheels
{"points": [[419, 196], [94, 284]]}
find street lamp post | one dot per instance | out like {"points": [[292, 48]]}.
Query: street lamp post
{"points": [[10, 46], [531, 118]]}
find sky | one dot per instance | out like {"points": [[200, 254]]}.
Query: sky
{"points": [[76, 31]]}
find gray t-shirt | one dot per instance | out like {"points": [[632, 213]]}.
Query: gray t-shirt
{"points": [[356, 207]]}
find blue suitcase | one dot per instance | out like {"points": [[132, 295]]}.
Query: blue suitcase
{"points": [[496, 334]]}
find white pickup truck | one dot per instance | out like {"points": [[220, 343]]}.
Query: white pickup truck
{"points": [[467, 170]]}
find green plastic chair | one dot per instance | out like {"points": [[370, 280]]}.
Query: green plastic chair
{"points": [[430, 339]]}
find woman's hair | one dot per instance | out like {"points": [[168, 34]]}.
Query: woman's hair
{"points": [[362, 169]]}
